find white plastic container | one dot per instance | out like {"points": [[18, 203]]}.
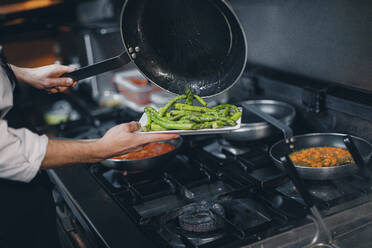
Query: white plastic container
{"points": [[134, 86]]}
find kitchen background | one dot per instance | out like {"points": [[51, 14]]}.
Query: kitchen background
{"points": [[315, 55], [311, 48]]}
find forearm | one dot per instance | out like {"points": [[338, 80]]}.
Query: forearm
{"points": [[63, 152], [20, 73]]}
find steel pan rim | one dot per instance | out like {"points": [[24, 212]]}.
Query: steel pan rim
{"points": [[258, 125], [209, 96], [260, 130], [323, 169], [287, 119]]}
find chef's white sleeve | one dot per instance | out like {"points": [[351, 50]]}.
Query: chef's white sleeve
{"points": [[21, 153]]}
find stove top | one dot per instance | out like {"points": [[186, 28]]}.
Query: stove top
{"points": [[193, 202], [217, 193]]}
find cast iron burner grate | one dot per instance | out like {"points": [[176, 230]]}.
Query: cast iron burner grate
{"points": [[198, 217], [194, 224]]}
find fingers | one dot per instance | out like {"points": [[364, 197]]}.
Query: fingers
{"points": [[149, 138], [53, 90], [58, 70], [62, 89], [134, 149], [59, 82], [131, 126], [52, 79]]}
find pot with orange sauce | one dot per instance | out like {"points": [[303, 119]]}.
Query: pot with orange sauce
{"points": [[152, 156]]}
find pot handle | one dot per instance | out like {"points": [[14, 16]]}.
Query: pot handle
{"points": [[287, 131], [323, 233], [101, 67], [297, 181], [359, 161]]}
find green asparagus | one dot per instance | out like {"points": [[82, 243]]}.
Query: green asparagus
{"points": [[179, 113]]}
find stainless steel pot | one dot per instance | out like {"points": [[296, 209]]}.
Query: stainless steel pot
{"points": [[254, 128]]}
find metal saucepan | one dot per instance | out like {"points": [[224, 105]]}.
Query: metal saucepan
{"points": [[292, 143], [145, 163], [253, 128], [178, 44]]}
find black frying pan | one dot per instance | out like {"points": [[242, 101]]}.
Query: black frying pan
{"points": [[179, 43], [145, 163]]}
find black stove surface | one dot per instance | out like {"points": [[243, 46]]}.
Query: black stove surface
{"points": [[158, 200], [216, 193]]}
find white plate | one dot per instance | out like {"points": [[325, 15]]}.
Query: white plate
{"points": [[143, 122]]}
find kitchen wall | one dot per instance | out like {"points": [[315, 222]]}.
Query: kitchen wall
{"points": [[326, 40]]}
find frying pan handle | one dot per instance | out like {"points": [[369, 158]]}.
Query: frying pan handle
{"points": [[287, 131], [101, 67], [359, 161], [324, 235], [297, 181]]}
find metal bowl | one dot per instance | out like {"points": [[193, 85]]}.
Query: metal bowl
{"points": [[254, 128], [145, 163], [305, 141]]}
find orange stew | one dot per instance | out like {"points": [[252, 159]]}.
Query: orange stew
{"points": [[148, 151], [321, 157]]}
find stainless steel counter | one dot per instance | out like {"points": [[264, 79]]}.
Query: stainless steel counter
{"points": [[351, 228]]}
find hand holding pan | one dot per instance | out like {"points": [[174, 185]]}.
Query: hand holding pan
{"points": [[178, 44]]}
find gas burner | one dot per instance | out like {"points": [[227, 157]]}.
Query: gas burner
{"points": [[224, 149], [220, 147], [198, 223], [113, 177], [198, 217], [233, 148]]}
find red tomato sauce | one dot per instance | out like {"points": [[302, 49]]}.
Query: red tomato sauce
{"points": [[148, 151]]}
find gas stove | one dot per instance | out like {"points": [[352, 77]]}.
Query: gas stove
{"points": [[214, 193], [199, 200]]}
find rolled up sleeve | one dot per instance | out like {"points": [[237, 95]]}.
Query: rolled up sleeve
{"points": [[21, 153]]}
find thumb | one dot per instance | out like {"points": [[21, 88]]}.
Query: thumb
{"points": [[150, 138], [132, 126]]}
